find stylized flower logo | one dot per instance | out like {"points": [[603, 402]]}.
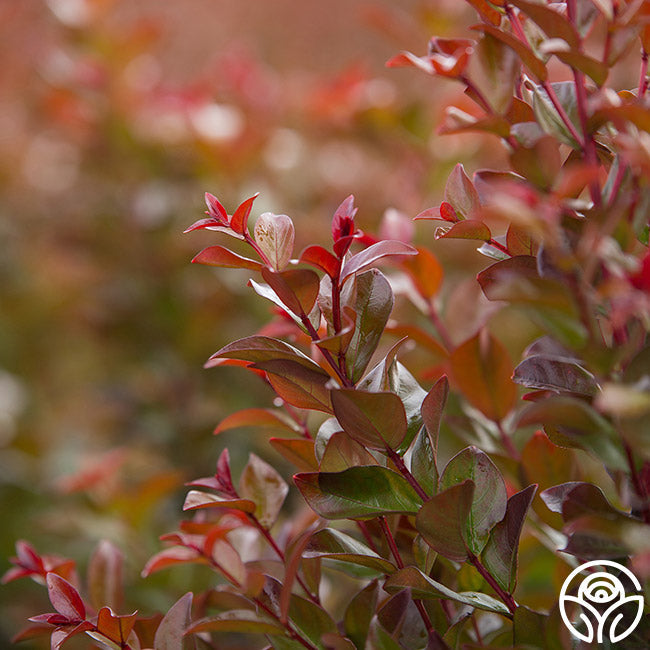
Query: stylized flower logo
{"points": [[602, 600]]}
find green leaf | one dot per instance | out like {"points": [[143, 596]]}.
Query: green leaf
{"points": [[489, 500], [555, 373], [299, 385], [262, 485], [442, 520], [578, 425], [372, 305], [482, 370], [422, 587], [390, 375], [461, 193], [530, 628], [423, 463], [225, 258], [310, 619], [376, 420], [500, 553], [359, 613], [237, 620], [357, 493], [331, 543], [548, 117]]}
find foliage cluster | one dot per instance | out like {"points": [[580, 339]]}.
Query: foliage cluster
{"points": [[447, 517]]}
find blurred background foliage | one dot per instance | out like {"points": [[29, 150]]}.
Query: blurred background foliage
{"points": [[115, 118]]}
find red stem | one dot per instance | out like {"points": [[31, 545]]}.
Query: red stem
{"points": [[636, 483], [269, 538], [507, 599], [424, 615], [643, 75], [404, 471]]}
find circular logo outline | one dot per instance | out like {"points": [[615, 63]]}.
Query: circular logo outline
{"points": [[616, 588]]}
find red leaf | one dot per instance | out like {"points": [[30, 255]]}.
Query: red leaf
{"points": [[224, 257], [296, 288], [371, 255], [425, 271], [215, 209], [169, 557], [65, 598], [61, 635], [170, 632], [196, 500], [239, 220], [320, 258], [467, 229], [256, 417], [482, 370], [445, 212], [115, 628]]}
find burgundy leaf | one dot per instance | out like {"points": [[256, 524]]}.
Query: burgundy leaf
{"points": [[65, 598], [371, 255], [224, 257], [239, 220]]}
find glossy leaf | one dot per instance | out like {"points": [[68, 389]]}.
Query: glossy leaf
{"points": [[442, 520], [261, 348], [311, 619], [375, 420], [489, 499], [115, 628], [372, 255], [548, 117], [372, 305], [423, 462], [239, 219], [359, 613], [559, 374], [320, 258], [300, 452], [343, 452], [500, 553], [296, 288], [432, 409], [331, 543], [580, 425], [224, 257], [197, 500], [65, 598], [170, 557], [274, 234], [357, 493], [575, 499], [262, 485], [423, 587], [461, 193], [482, 370], [237, 620], [467, 229], [299, 385]]}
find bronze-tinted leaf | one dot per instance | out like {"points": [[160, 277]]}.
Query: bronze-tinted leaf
{"points": [[482, 370], [358, 493], [262, 485]]}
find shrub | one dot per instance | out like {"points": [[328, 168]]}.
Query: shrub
{"points": [[416, 504]]}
